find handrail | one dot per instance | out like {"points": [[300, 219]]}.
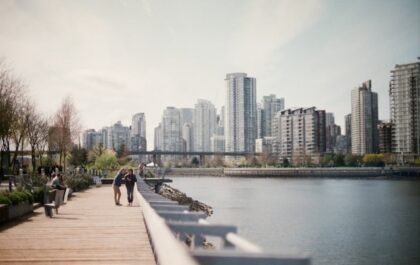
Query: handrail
{"points": [[170, 227], [166, 248]]}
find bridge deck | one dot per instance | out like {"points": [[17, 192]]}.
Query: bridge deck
{"points": [[90, 229]]}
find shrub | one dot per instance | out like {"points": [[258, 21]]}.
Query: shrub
{"points": [[4, 199]]}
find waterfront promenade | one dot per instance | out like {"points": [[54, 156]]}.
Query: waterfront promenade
{"points": [[90, 229]]}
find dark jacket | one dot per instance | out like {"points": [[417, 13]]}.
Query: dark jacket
{"points": [[130, 179]]}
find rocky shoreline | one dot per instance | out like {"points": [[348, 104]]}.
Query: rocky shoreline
{"points": [[182, 198]]}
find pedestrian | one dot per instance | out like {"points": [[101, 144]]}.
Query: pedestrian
{"points": [[130, 180], [116, 184]]}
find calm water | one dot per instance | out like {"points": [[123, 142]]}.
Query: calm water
{"points": [[334, 221]]}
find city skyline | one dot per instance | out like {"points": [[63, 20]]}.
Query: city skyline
{"points": [[120, 58]]}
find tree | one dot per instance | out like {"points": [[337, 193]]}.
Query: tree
{"points": [[78, 156], [96, 151], [195, 162], [37, 135], [106, 161], [374, 160], [285, 162], [11, 95], [66, 128], [351, 160]]}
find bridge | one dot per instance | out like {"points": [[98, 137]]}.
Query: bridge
{"points": [[156, 154]]}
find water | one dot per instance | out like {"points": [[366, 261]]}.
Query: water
{"points": [[334, 221]]}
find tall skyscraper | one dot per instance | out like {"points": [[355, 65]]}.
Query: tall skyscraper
{"points": [[204, 124], [404, 92], [186, 116], [270, 105], [171, 130], [240, 113], [118, 136], [347, 122], [364, 119], [260, 121], [138, 132]]}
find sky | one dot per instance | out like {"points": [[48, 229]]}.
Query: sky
{"points": [[118, 58]]}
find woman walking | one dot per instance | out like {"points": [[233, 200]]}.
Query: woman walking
{"points": [[130, 180]]}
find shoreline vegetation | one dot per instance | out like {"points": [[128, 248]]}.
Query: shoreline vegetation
{"points": [[319, 172]]}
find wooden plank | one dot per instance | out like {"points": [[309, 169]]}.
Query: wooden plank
{"points": [[89, 229]]}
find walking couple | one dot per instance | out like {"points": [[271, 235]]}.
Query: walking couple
{"points": [[127, 177]]}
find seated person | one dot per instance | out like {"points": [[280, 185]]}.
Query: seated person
{"points": [[58, 182]]}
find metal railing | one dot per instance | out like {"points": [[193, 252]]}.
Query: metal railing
{"points": [[179, 236]]}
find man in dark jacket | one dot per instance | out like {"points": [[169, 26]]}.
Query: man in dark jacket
{"points": [[130, 180]]}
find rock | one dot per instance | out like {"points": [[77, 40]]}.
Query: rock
{"points": [[176, 195]]}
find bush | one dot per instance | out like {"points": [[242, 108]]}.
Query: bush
{"points": [[78, 182], [4, 199], [38, 195]]}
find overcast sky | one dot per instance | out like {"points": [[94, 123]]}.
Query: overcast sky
{"points": [[117, 58]]}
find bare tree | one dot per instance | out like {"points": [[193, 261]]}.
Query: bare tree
{"points": [[11, 97], [66, 128], [20, 127], [37, 134]]}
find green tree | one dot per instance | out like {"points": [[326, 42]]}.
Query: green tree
{"points": [[285, 162], [374, 160], [106, 161], [351, 160], [78, 156], [327, 160]]}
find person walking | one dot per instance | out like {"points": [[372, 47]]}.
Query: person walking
{"points": [[130, 180], [116, 184]]}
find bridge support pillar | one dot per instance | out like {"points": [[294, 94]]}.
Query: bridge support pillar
{"points": [[202, 160]]}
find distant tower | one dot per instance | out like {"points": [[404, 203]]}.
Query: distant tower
{"points": [[240, 113], [404, 93], [138, 132], [364, 119], [270, 105], [204, 124]]}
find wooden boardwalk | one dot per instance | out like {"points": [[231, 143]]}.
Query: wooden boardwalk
{"points": [[90, 229]]}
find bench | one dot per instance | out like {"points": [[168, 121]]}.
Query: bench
{"points": [[60, 197]]}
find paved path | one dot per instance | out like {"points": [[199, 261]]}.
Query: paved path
{"points": [[90, 229]]}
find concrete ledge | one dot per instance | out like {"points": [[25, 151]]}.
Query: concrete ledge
{"points": [[10, 212]]}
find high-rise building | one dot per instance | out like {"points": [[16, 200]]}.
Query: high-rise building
{"points": [[260, 121], [90, 138], [332, 131], [171, 130], [364, 119], [300, 134], [240, 113], [138, 132], [265, 145], [158, 138], [217, 143], [404, 92], [204, 124], [270, 106], [186, 116], [118, 136], [347, 122], [187, 136], [385, 137]]}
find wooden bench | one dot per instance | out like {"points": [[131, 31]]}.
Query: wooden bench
{"points": [[60, 197]]}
